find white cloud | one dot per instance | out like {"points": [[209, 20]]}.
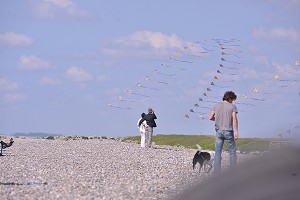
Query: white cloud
{"points": [[12, 39], [155, 40], [47, 81], [13, 97], [144, 43], [32, 62], [283, 34], [7, 85], [287, 4], [54, 8], [78, 74], [61, 3]]}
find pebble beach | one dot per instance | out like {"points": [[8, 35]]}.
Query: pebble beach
{"points": [[97, 169]]}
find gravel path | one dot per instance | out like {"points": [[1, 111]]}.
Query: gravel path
{"points": [[96, 169]]}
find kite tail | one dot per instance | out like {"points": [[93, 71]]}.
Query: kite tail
{"points": [[185, 61], [161, 82]]}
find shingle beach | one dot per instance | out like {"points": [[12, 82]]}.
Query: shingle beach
{"points": [[96, 169]]}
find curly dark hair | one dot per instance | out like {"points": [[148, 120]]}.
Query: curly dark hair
{"points": [[229, 95]]}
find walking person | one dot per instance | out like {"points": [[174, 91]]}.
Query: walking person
{"points": [[226, 125], [142, 128], [150, 120]]}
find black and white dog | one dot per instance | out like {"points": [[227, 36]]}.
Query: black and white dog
{"points": [[204, 158]]}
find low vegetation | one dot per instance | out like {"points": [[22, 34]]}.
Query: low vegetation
{"points": [[189, 141], [207, 142]]}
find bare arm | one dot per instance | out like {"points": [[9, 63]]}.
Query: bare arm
{"points": [[212, 115], [235, 125]]}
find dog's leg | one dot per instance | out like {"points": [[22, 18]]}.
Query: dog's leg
{"points": [[210, 164], [210, 167], [200, 168]]}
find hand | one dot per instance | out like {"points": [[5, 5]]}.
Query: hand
{"points": [[236, 135]]}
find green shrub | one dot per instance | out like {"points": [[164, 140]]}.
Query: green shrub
{"points": [[50, 138]]}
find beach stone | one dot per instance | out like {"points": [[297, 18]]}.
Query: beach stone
{"points": [[97, 169]]}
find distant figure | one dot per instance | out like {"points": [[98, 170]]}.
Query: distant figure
{"points": [[142, 128], [5, 145], [225, 117], [150, 120]]}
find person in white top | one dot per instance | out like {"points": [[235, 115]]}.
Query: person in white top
{"points": [[142, 129]]}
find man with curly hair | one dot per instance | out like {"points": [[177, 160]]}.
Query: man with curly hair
{"points": [[226, 125]]}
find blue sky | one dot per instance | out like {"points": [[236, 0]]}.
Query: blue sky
{"points": [[64, 61]]}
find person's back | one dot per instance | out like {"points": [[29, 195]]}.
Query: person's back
{"points": [[150, 117], [225, 117], [142, 124]]}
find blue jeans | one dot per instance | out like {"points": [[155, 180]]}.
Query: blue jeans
{"points": [[222, 136]]}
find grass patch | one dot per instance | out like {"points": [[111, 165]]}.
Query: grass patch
{"points": [[207, 142]]}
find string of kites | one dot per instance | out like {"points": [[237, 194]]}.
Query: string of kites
{"points": [[290, 133], [225, 75]]}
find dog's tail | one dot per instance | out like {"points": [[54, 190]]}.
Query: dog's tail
{"points": [[199, 147]]}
